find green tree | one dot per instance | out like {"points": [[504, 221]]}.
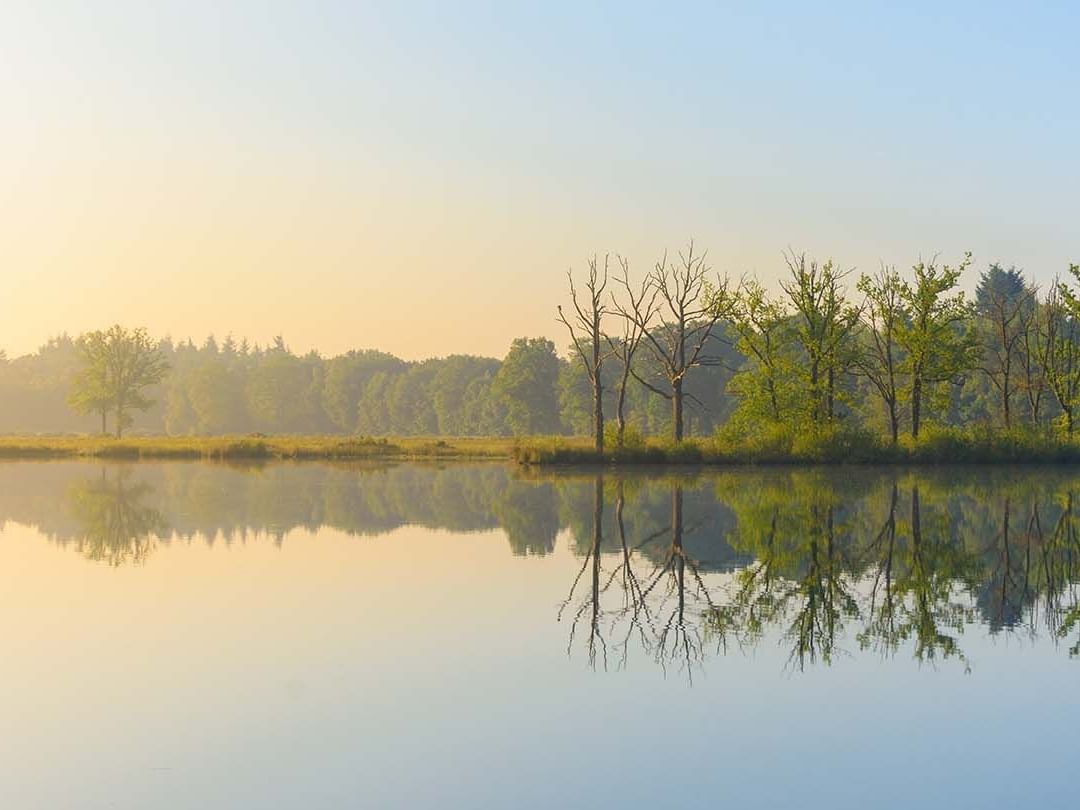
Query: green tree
{"points": [[1059, 345], [119, 365], [885, 315], [937, 338], [216, 395], [283, 392], [90, 387], [1005, 308], [454, 384], [346, 377], [527, 385], [824, 329], [764, 383]]}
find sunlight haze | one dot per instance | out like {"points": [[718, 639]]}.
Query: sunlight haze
{"points": [[393, 177]]}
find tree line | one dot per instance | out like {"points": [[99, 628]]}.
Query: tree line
{"points": [[231, 387], [883, 351], [680, 351]]}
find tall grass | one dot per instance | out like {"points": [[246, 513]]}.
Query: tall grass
{"points": [[252, 447], [779, 444], [785, 444]]}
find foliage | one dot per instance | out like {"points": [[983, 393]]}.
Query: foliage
{"points": [[937, 338], [526, 386], [118, 366]]}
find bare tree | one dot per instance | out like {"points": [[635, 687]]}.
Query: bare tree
{"points": [[637, 312], [584, 326], [688, 308]]}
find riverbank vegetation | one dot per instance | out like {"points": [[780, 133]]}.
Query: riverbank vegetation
{"points": [[223, 448], [680, 364], [936, 445]]}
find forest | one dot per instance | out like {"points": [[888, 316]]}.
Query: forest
{"points": [[680, 352]]}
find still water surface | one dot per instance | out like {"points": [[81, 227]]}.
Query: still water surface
{"points": [[313, 636]]}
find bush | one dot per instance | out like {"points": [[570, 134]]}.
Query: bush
{"points": [[632, 438], [838, 444], [245, 448]]}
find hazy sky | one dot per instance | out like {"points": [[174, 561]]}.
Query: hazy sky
{"points": [[417, 177]]}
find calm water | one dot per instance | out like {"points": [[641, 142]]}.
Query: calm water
{"points": [[311, 636]]}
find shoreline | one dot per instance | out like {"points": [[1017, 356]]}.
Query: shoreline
{"points": [[940, 448]]}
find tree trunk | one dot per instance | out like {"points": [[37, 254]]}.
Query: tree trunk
{"points": [[916, 406], [894, 422], [1005, 402], [104, 425], [598, 415], [620, 417], [677, 410], [832, 392]]}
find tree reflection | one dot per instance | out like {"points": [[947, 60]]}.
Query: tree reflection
{"points": [[884, 565], [801, 580], [916, 585], [823, 562], [116, 526], [1061, 564], [661, 609], [678, 608], [590, 606]]}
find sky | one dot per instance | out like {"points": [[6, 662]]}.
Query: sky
{"points": [[418, 177]]}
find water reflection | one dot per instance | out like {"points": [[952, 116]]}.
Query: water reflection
{"points": [[116, 525], [825, 562]]}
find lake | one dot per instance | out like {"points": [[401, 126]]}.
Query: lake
{"points": [[190, 635]]}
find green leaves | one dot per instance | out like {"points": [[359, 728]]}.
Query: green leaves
{"points": [[119, 365]]}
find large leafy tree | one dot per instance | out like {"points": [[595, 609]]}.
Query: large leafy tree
{"points": [[879, 361], [824, 328], [527, 385], [90, 388], [765, 383], [118, 366], [938, 342], [1059, 345], [345, 380]]}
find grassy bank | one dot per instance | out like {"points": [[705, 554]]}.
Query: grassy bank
{"points": [[832, 446], [253, 448], [785, 446]]}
